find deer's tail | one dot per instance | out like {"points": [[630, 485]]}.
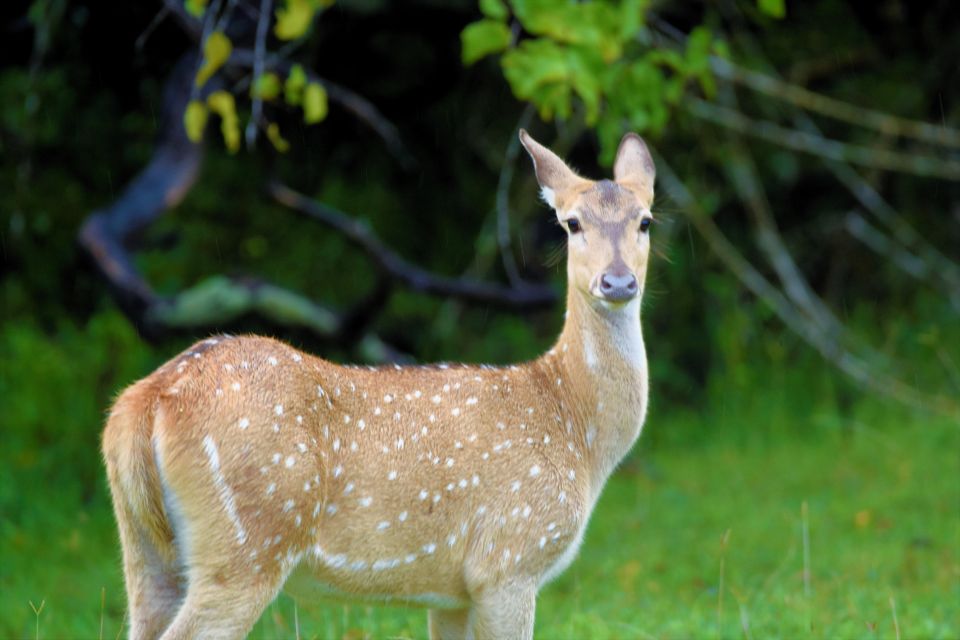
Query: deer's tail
{"points": [[135, 481]]}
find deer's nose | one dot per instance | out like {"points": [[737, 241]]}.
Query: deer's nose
{"points": [[618, 286]]}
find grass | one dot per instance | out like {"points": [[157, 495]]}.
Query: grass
{"points": [[853, 533]]}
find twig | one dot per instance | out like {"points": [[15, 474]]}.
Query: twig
{"points": [[416, 278], [503, 198], [885, 123], [157, 19], [883, 246], [927, 166], [260, 51]]}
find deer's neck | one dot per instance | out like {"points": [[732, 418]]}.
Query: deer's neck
{"points": [[601, 352]]}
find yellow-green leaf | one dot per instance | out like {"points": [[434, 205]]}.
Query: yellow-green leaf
{"points": [[195, 120], [294, 85], [494, 9], [482, 38], [266, 87], [216, 51], [273, 134], [314, 103], [773, 8], [222, 103], [294, 18], [195, 7]]}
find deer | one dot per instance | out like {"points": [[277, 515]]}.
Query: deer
{"points": [[244, 467]]}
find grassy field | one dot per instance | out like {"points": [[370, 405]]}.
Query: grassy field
{"points": [[705, 537]]}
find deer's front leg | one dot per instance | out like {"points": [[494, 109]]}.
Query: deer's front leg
{"points": [[504, 612]]}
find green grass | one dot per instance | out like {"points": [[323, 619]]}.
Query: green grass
{"points": [[883, 521]]}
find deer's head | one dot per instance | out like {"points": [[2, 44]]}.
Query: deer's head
{"points": [[607, 221]]}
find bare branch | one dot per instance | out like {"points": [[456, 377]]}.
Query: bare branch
{"points": [[884, 246], [260, 52], [927, 166], [805, 99], [416, 278], [162, 184], [761, 287]]}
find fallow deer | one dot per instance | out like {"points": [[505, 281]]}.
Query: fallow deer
{"points": [[244, 466]]}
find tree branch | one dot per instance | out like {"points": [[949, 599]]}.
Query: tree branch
{"points": [[927, 166], [259, 53], [885, 123], [398, 269]]}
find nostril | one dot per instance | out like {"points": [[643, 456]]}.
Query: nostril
{"points": [[605, 284], [632, 285]]}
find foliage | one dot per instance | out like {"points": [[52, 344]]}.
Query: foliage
{"points": [[598, 52]]}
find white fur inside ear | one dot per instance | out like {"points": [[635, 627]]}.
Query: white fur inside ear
{"points": [[547, 194]]}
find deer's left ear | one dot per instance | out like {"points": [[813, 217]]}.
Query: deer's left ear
{"points": [[553, 174], [634, 164]]}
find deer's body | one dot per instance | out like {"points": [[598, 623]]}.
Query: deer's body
{"points": [[243, 465]]}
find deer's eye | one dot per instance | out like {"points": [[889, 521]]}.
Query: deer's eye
{"points": [[645, 225], [573, 225]]}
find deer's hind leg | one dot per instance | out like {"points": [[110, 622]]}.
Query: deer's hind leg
{"points": [[218, 608]]}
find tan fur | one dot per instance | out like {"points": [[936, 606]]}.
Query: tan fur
{"points": [[243, 464]]}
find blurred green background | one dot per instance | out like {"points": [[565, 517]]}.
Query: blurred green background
{"points": [[799, 471]]}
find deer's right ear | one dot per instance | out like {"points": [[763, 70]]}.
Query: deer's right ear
{"points": [[553, 174]]}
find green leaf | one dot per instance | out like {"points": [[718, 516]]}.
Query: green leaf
{"points": [[294, 85], [494, 9], [314, 103], [533, 64], [483, 38], [195, 120], [593, 24], [266, 87], [222, 103], [273, 134], [216, 51], [195, 7], [294, 19], [773, 8]]}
